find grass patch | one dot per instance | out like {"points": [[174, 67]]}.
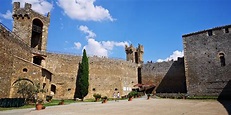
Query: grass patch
{"points": [[52, 103]]}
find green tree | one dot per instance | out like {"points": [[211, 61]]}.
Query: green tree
{"points": [[82, 83], [27, 89]]}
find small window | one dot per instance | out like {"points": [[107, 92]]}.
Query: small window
{"points": [[116, 89], [24, 70], [69, 89], [210, 33], [222, 59], [93, 89], [226, 30], [37, 60]]}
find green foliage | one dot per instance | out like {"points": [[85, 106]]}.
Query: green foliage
{"points": [[52, 103], [96, 95], [12, 102], [82, 82], [27, 89], [132, 94]]}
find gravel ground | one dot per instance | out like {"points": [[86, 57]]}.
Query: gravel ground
{"points": [[138, 106]]}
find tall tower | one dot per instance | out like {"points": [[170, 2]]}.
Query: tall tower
{"points": [[134, 55], [140, 52], [130, 53], [30, 26]]}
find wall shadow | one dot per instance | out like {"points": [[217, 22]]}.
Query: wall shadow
{"points": [[225, 97], [174, 80]]}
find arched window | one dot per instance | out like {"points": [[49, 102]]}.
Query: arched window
{"points": [[36, 37], [222, 59]]}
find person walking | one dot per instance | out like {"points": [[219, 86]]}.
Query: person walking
{"points": [[114, 96], [118, 96]]}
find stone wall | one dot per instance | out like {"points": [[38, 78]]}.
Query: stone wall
{"points": [[205, 74], [168, 77], [16, 62], [105, 75], [6, 63]]}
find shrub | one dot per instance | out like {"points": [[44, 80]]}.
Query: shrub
{"points": [[132, 94], [104, 97], [96, 95], [12, 102]]}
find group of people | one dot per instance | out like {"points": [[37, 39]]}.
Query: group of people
{"points": [[116, 96]]}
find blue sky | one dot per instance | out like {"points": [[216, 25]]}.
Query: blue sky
{"points": [[103, 27]]}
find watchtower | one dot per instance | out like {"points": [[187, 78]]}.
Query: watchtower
{"points": [[30, 26], [134, 55]]}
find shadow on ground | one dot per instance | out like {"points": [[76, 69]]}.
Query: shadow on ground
{"points": [[225, 97]]}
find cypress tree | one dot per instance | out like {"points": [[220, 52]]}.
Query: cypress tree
{"points": [[82, 83]]}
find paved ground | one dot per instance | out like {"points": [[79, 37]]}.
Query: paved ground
{"points": [[139, 106]]}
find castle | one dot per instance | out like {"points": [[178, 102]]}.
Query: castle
{"points": [[24, 56], [204, 70]]}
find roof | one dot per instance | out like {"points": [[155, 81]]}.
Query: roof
{"points": [[202, 31]]}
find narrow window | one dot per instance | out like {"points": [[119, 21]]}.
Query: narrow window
{"points": [[210, 33], [222, 59]]}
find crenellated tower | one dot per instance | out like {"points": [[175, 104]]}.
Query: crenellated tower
{"points": [[30, 26], [134, 55]]}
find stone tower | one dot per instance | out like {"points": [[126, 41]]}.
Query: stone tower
{"points": [[134, 55], [30, 26]]}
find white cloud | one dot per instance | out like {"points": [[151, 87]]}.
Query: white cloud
{"points": [[41, 6], [85, 30], [8, 15], [77, 45], [99, 48], [95, 48], [84, 10], [174, 56], [110, 44]]}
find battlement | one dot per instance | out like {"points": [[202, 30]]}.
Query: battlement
{"points": [[134, 54], [25, 12], [129, 49], [213, 31], [140, 48]]}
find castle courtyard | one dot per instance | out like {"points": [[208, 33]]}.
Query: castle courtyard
{"points": [[138, 106]]}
